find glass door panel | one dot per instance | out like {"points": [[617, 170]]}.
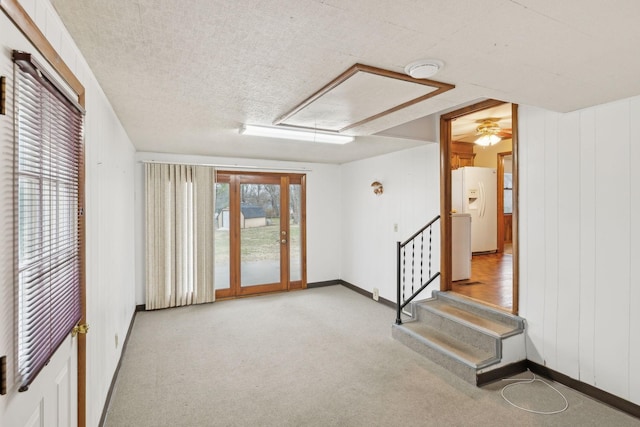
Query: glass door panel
{"points": [[260, 234], [295, 238], [260, 238], [221, 248]]}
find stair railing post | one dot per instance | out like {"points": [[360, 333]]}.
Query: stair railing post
{"points": [[398, 301]]}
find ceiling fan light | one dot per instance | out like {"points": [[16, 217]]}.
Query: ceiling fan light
{"points": [[487, 140], [424, 68]]}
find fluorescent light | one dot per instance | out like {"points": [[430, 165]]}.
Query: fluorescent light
{"points": [[297, 134]]}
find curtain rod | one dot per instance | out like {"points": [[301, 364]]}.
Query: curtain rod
{"points": [[222, 166]]}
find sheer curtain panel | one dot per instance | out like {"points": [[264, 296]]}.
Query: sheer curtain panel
{"points": [[179, 235]]}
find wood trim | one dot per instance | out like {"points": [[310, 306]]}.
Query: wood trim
{"points": [[515, 212], [485, 378], [329, 86], [500, 192], [82, 338], [445, 192], [261, 289], [107, 401], [592, 391], [483, 105], [353, 70], [285, 250], [303, 229], [234, 235], [284, 179], [500, 209], [445, 204], [28, 27], [394, 109], [323, 284], [367, 294]]}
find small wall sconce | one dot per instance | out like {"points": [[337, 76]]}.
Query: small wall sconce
{"points": [[377, 188]]}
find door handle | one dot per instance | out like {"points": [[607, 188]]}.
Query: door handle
{"points": [[283, 241], [79, 329]]}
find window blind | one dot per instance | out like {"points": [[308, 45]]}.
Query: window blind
{"points": [[49, 133]]}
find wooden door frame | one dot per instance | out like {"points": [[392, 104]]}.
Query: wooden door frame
{"points": [[285, 180], [445, 192], [500, 185], [21, 19]]}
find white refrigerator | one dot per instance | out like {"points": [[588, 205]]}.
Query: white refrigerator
{"points": [[474, 191]]}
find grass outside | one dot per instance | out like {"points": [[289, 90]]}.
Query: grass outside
{"points": [[258, 243]]}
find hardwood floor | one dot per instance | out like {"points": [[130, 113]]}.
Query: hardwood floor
{"points": [[491, 279]]}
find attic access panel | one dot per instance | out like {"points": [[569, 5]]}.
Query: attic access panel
{"points": [[360, 95]]}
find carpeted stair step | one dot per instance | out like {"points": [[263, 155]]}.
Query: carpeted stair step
{"points": [[479, 316], [464, 326], [444, 349], [459, 334]]}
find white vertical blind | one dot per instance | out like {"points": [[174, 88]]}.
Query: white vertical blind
{"points": [[49, 132], [179, 235]]}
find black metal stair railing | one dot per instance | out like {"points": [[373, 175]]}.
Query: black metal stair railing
{"points": [[407, 275]]}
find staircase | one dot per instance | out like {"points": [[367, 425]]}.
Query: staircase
{"points": [[463, 336]]}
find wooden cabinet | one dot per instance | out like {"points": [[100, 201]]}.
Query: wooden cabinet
{"points": [[461, 154]]}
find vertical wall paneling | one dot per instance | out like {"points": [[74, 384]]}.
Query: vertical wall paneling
{"points": [[551, 239], [612, 248], [30, 7], [634, 250], [587, 272], [92, 202], [535, 187], [51, 29], [579, 188], [568, 238]]}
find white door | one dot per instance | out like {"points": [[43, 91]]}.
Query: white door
{"points": [[52, 398]]}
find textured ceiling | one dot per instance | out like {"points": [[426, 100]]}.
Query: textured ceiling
{"points": [[183, 75]]}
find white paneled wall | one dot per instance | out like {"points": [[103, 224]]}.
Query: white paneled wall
{"points": [[110, 257], [587, 259], [411, 180], [578, 178], [568, 248], [634, 250]]}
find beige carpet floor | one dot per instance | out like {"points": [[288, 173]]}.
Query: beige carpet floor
{"points": [[318, 357]]}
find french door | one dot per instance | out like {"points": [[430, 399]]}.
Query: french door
{"points": [[260, 233]]}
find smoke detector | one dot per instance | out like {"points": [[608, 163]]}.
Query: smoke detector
{"points": [[424, 68]]}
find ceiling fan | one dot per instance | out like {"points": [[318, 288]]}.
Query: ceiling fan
{"points": [[489, 132]]}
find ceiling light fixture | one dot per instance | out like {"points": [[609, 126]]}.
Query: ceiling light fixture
{"points": [[424, 68], [488, 133], [296, 134]]}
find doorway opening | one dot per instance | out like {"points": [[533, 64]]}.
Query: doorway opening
{"points": [[260, 225], [479, 203]]}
